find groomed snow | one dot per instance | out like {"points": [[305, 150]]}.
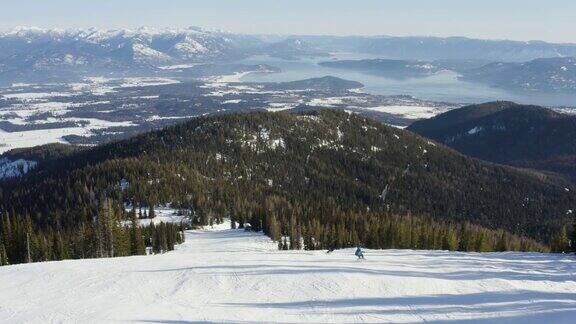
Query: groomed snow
{"points": [[233, 276]]}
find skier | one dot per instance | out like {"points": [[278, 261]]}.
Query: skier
{"points": [[359, 253]]}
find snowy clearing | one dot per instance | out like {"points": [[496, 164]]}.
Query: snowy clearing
{"points": [[235, 276], [163, 215], [410, 112], [12, 140]]}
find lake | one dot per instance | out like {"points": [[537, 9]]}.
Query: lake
{"points": [[444, 86]]}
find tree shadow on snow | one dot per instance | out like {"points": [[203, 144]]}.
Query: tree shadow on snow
{"points": [[476, 273]]}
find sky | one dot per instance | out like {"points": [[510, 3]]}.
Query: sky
{"points": [[550, 20]]}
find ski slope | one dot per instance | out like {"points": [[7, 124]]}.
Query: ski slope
{"points": [[233, 276]]}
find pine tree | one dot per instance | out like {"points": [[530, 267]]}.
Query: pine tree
{"points": [[274, 230], [151, 212], [6, 229], [28, 251], [170, 238], [3, 255], [502, 244], [292, 233], [107, 223], [159, 239], [60, 251], [560, 241], [152, 238], [449, 240], [298, 238], [482, 244], [163, 237], [137, 246]]}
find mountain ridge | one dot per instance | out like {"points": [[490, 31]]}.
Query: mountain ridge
{"points": [[318, 159], [508, 133]]}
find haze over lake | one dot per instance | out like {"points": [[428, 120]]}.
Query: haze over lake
{"points": [[443, 86]]}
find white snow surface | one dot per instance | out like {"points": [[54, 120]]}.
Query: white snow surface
{"points": [[12, 140], [410, 112], [475, 130], [231, 276], [163, 215], [15, 168]]}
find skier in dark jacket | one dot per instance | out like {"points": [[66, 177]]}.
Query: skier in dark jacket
{"points": [[359, 253]]}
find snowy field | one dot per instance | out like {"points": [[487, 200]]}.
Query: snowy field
{"points": [[233, 276], [410, 112], [12, 140], [27, 104]]}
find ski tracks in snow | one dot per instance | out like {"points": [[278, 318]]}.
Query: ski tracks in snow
{"points": [[222, 275]]}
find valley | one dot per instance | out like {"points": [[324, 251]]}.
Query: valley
{"points": [[97, 110]]}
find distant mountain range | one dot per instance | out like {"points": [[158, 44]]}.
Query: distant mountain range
{"points": [[51, 54], [439, 48], [293, 48], [508, 133], [546, 74], [29, 55]]}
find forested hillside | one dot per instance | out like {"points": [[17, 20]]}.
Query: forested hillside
{"points": [[508, 133], [329, 177]]}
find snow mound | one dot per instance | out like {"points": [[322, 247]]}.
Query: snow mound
{"points": [[222, 275]]}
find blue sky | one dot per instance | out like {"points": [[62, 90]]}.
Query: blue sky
{"points": [[551, 20]]}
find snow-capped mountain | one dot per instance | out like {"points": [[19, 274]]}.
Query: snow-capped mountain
{"points": [[28, 52], [162, 44]]}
